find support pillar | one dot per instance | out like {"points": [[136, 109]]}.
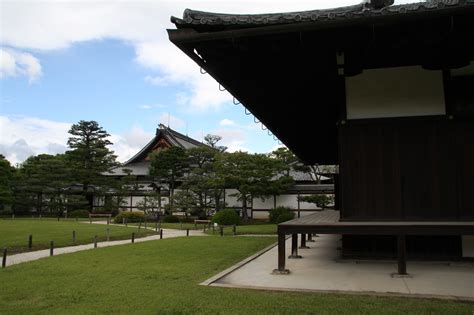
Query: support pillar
{"points": [[294, 247], [281, 256], [303, 241], [402, 256], [310, 238]]}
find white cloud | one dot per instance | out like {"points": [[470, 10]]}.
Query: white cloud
{"points": [[151, 106], [156, 80], [173, 121], [16, 63], [226, 122], [52, 25], [21, 137]]}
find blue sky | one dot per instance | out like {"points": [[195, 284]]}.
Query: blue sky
{"points": [[64, 61]]}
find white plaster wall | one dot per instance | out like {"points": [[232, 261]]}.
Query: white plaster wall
{"points": [[137, 199], [467, 70], [290, 201], [468, 246], [395, 92], [260, 215], [265, 204]]}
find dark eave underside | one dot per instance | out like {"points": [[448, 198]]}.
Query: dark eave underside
{"points": [[286, 74]]}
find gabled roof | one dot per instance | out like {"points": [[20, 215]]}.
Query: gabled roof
{"points": [[172, 137]]}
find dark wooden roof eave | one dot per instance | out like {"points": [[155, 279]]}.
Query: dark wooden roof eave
{"points": [[190, 35]]}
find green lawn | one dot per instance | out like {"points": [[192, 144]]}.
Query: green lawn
{"points": [[14, 233], [256, 229], [161, 277]]}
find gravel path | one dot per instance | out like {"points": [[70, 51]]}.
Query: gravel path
{"points": [[25, 257]]}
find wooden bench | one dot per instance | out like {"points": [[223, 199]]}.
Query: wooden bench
{"points": [[100, 215], [203, 222]]}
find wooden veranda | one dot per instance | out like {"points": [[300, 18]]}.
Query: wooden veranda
{"points": [[328, 222]]}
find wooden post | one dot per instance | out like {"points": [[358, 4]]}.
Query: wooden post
{"points": [[95, 241], [73, 237], [156, 226], [294, 247], [234, 230], [187, 232], [133, 237], [402, 255], [108, 234], [281, 256], [30, 241], [51, 248], [161, 234], [4, 259], [299, 207], [221, 230], [310, 238], [303, 241]]}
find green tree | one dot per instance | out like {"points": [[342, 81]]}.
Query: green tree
{"points": [[151, 204], [286, 157], [6, 183], [202, 179], [212, 140], [252, 175], [90, 157], [169, 166], [44, 182]]}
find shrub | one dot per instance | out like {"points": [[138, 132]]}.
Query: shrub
{"points": [[78, 214], [286, 216], [129, 217], [226, 217], [275, 213], [170, 219], [321, 201]]}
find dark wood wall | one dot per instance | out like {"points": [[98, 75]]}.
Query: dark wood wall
{"points": [[407, 169]]}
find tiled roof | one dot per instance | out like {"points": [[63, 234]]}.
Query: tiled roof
{"points": [[194, 19]]}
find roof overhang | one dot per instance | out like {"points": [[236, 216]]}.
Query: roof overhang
{"points": [[286, 74]]}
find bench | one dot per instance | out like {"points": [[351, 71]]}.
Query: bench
{"points": [[100, 215], [203, 222]]}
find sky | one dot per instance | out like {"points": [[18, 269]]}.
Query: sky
{"points": [[112, 62]]}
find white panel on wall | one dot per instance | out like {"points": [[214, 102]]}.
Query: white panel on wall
{"points": [[268, 203], [467, 70], [260, 214], [230, 200], [395, 92], [137, 199], [290, 201]]}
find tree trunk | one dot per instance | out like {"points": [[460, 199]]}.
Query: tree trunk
{"points": [[245, 216]]}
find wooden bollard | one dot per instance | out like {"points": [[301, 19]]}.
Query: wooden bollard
{"points": [[4, 259], [95, 241], [133, 237], [30, 241], [187, 232], [73, 237], [234, 229], [161, 234], [108, 234], [222, 231], [51, 248]]}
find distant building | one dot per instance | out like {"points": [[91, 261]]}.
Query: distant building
{"points": [[165, 138]]}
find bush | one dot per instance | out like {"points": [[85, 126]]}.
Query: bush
{"points": [[78, 214], [130, 217], [286, 216], [170, 219], [321, 201], [226, 217], [275, 213]]}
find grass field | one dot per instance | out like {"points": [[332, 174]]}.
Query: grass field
{"points": [[162, 276], [256, 229], [14, 233]]}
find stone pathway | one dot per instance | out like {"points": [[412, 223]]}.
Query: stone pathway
{"points": [[30, 256]]}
